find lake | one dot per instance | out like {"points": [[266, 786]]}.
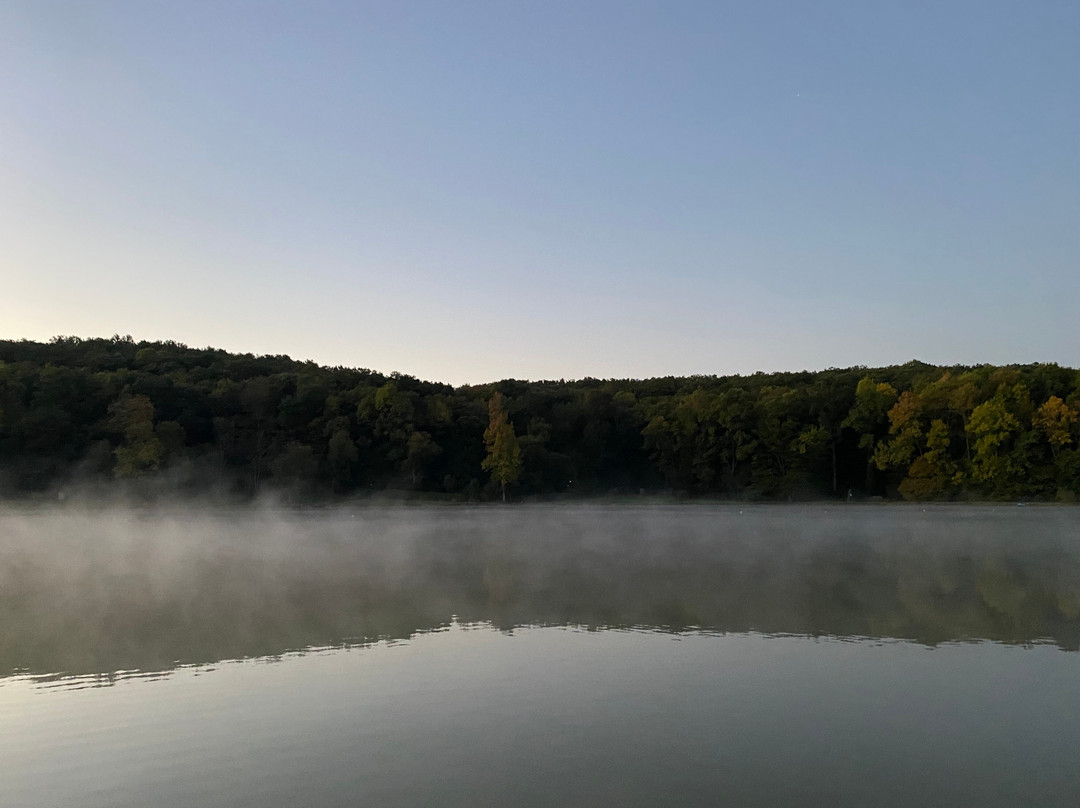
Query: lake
{"points": [[833, 655]]}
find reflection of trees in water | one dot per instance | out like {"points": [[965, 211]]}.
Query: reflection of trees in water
{"points": [[153, 593]]}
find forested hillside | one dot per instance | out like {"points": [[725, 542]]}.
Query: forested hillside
{"points": [[169, 418]]}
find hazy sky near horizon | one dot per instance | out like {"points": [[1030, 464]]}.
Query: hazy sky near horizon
{"points": [[471, 191]]}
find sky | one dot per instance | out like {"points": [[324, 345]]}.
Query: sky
{"points": [[467, 191]]}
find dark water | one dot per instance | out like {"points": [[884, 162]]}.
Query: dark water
{"points": [[541, 656]]}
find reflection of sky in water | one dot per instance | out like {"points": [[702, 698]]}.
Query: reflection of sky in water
{"points": [[541, 656], [556, 716]]}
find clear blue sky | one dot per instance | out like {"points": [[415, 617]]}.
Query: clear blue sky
{"points": [[472, 191]]}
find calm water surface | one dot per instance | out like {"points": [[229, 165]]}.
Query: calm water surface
{"points": [[541, 656]]}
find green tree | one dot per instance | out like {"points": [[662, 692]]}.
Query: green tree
{"points": [[906, 428], [785, 441], [422, 449], [993, 427], [954, 397], [258, 399], [341, 455], [661, 443], [503, 453], [933, 474], [831, 399], [868, 417], [172, 437], [141, 450], [395, 422]]}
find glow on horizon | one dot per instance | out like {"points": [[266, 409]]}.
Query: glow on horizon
{"points": [[480, 191]]}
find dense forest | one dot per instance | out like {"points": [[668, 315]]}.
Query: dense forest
{"points": [[163, 417]]}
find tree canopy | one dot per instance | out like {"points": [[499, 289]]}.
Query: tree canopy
{"points": [[166, 417]]}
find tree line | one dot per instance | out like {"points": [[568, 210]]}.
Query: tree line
{"points": [[84, 411]]}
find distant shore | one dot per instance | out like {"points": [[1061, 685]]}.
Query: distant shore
{"points": [[117, 418]]}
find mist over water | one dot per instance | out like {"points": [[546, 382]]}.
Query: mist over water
{"points": [[87, 592], [575, 655]]}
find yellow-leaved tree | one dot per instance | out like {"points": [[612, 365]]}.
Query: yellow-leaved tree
{"points": [[1055, 418], [504, 455]]}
